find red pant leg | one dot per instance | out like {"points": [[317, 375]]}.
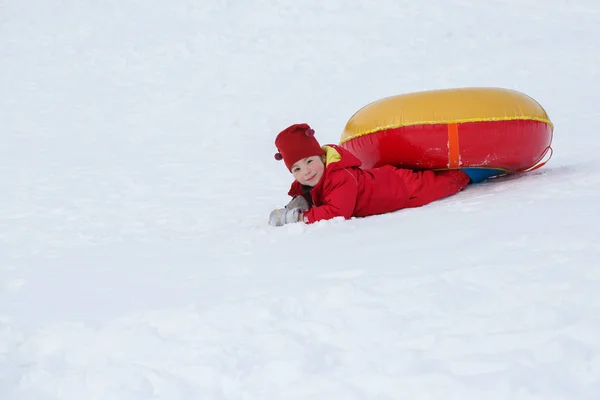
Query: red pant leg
{"points": [[427, 186]]}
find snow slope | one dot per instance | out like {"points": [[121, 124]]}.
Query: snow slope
{"points": [[137, 174]]}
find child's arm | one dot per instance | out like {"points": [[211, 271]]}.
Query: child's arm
{"points": [[339, 200]]}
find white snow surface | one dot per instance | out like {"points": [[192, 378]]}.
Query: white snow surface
{"points": [[137, 175]]}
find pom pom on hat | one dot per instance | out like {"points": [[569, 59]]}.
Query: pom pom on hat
{"points": [[295, 143]]}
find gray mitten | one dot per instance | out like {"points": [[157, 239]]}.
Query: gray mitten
{"points": [[298, 202], [284, 216]]}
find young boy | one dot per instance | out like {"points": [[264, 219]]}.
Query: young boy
{"points": [[330, 183]]}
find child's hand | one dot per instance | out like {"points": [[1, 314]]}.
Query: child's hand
{"points": [[284, 216], [298, 202]]}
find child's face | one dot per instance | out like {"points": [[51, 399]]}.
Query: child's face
{"points": [[309, 170]]}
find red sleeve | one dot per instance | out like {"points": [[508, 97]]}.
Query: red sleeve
{"points": [[339, 197]]}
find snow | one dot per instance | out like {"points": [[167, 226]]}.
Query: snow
{"points": [[137, 176]]}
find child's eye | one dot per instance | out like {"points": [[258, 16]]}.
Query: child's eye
{"points": [[295, 170], [309, 161]]}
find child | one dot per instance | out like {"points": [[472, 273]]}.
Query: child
{"points": [[330, 183]]}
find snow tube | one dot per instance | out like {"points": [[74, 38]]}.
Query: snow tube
{"points": [[494, 129]]}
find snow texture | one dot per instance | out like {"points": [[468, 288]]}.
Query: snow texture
{"points": [[137, 175]]}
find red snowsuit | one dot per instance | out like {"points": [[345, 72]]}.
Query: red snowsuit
{"points": [[345, 190]]}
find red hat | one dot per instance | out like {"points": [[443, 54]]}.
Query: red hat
{"points": [[295, 143]]}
